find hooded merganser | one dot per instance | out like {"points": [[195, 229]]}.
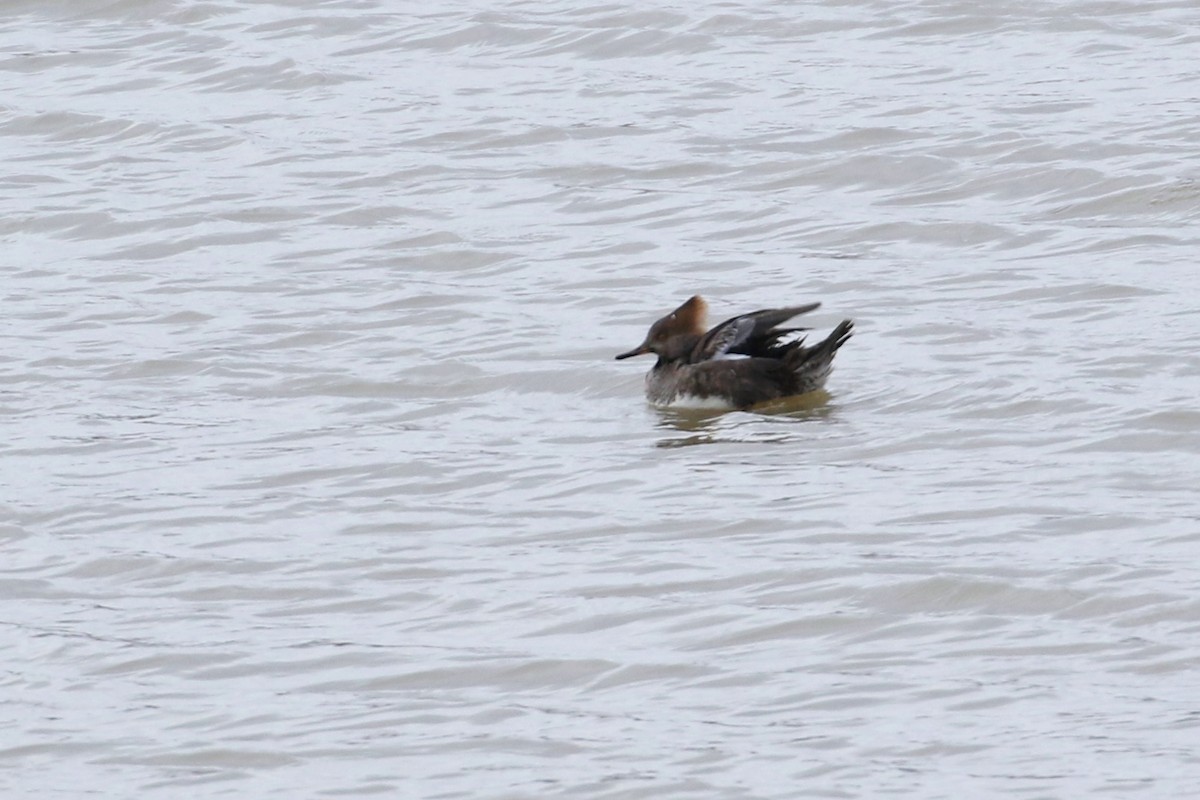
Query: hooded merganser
{"points": [[738, 364]]}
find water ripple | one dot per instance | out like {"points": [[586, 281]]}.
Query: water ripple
{"points": [[322, 479]]}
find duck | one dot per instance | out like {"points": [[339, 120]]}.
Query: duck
{"points": [[744, 362]]}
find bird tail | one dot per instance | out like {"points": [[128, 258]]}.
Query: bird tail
{"points": [[812, 365]]}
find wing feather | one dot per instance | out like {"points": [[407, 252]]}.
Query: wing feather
{"points": [[749, 334]]}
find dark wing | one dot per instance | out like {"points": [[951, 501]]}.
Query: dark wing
{"points": [[752, 334], [746, 382], [743, 382]]}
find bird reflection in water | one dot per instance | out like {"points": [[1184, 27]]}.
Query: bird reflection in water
{"points": [[715, 427]]}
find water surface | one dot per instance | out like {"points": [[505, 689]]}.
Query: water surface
{"points": [[320, 479]]}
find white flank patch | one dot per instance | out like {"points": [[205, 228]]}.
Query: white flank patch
{"points": [[699, 403]]}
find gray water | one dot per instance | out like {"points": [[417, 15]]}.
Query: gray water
{"points": [[319, 479]]}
